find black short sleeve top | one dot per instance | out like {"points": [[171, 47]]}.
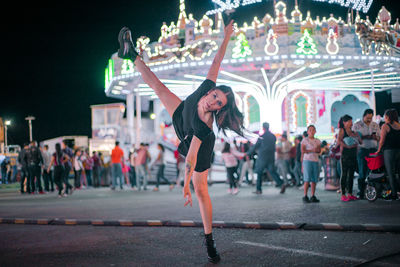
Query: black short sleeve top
{"points": [[188, 124], [193, 125]]}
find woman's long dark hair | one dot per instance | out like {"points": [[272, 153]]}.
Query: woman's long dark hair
{"points": [[392, 115], [161, 146], [229, 117], [227, 148], [343, 119], [58, 151]]}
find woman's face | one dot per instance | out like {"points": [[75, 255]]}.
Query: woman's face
{"points": [[311, 131], [214, 100], [387, 119], [348, 124]]}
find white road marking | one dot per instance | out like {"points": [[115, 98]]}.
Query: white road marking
{"points": [[300, 251]]}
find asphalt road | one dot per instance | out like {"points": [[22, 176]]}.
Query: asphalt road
{"points": [[58, 245]]}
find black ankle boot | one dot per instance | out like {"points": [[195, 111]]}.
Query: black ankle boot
{"points": [[212, 252], [126, 48]]}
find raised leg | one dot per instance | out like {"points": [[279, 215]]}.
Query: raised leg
{"points": [[169, 99]]}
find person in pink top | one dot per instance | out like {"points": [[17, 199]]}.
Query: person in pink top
{"points": [[88, 166], [229, 156], [141, 159], [310, 148]]}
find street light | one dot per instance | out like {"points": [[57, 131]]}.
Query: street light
{"points": [[30, 119], [7, 123]]}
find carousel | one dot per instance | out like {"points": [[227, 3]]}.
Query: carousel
{"points": [[289, 68]]}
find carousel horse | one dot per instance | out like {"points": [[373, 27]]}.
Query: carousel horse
{"points": [[364, 36], [383, 40]]}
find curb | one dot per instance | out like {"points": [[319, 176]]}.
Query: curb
{"points": [[216, 224]]}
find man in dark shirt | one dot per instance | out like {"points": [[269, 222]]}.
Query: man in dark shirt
{"points": [[96, 169], [297, 163], [265, 148], [35, 161], [4, 167], [24, 169], [67, 166]]}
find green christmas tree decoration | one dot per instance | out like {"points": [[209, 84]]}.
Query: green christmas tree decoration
{"points": [[127, 66], [242, 47], [306, 45]]}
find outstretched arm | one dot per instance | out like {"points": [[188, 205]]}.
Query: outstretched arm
{"points": [[214, 69], [191, 160]]}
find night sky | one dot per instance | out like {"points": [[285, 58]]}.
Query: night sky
{"points": [[55, 54]]}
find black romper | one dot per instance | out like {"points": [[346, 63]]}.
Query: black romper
{"points": [[348, 162], [187, 123]]}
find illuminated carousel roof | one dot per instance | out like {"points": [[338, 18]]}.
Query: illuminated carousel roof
{"points": [[333, 56]]}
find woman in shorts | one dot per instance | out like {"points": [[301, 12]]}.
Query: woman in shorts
{"points": [[193, 122], [310, 149]]}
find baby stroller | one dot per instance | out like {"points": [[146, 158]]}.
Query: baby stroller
{"points": [[377, 182]]}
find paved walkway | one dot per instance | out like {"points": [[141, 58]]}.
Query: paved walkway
{"points": [[66, 241]]}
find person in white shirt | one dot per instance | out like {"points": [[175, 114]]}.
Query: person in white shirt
{"points": [[283, 158], [160, 162], [369, 132], [78, 167], [247, 166], [47, 175], [229, 156]]}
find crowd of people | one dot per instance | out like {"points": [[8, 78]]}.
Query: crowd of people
{"points": [[42, 172], [38, 164], [301, 164], [275, 160]]}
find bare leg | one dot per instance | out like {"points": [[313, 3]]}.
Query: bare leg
{"points": [[313, 185], [169, 99], [245, 167], [201, 189], [126, 179], [251, 172], [306, 184]]}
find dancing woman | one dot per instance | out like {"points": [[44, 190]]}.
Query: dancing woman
{"points": [[193, 121]]}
